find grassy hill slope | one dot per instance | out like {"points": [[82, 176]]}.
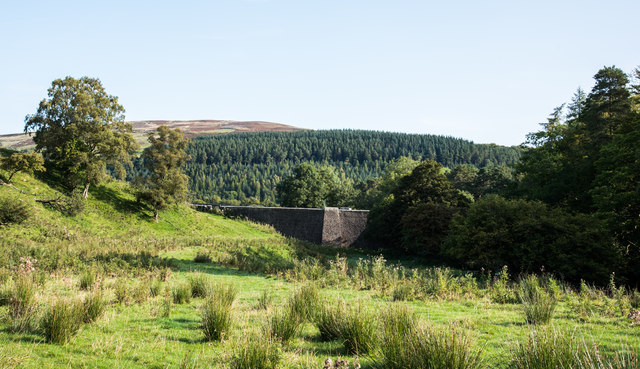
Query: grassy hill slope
{"points": [[138, 268]]}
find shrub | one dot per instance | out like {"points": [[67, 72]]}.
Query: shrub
{"points": [[13, 210], [304, 302], [202, 256], [634, 299], [537, 303], [181, 293], [199, 283], [93, 306], [282, 325], [408, 345], [61, 321], [216, 319], [528, 235], [261, 352], [501, 291]]}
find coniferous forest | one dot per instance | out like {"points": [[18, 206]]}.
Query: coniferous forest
{"points": [[246, 168]]}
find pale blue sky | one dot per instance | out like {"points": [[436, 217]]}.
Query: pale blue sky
{"points": [[488, 71]]}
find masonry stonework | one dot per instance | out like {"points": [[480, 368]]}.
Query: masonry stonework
{"points": [[333, 226]]}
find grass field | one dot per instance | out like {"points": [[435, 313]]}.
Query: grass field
{"points": [[114, 249]]}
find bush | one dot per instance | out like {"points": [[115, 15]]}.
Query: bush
{"points": [[13, 210], [527, 236], [61, 321], [537, 303], [181, 293], [93, 306], [202, 256], [260, 352], [216, 319]]}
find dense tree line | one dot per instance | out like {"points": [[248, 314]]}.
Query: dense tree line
{"points": [[572, 206], [246, 168]]}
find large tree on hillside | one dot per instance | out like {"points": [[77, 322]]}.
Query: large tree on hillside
{"points": [[80, 131], [164, 159]]}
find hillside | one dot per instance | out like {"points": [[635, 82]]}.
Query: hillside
{"points": [[132, 293], [247, 167], [192, 128]]}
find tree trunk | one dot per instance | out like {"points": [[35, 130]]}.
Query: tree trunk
{"points": [[85, 193], [155, 215]]}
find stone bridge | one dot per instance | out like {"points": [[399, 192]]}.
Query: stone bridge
{"points": [[333, 226]]}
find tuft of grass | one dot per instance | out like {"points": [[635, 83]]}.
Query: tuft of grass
{"points": [[121, 291], [304, 302], [549, 348], [13, 210], [225, 293], [154, 287], [216, 318], [282, 325], [358, 329], [538, 304], [22, 297], [181, 293], [199, 284], [87, 279], [165, 305], [93, 306], [61, 321], [330, 319], [407, 344], [260, 352], [141, 291], [265, 299], [402, 292]]}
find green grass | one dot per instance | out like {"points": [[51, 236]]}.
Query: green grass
{"points": [[137, 262]]}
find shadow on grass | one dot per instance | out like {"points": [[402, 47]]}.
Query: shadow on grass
{"points": [[121, 204]]}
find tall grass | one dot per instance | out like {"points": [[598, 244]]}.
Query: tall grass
{"points": [[181, 293], [87, 279], [216, 318], [282, 324], [407, 344], [304, 301], [329, 319], [199, 283], [257, 352], [93, 306], [225, 293], [265, 299], [22, 297], [61, 321], [359, 329], [538, 304]]}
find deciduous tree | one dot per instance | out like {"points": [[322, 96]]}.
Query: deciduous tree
{"points": [[80, 130]]}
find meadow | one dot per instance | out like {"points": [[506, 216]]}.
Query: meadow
{"points": [[109, 288]]}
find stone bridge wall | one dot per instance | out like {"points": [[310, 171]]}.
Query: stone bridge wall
{"points": [[334, 226]]}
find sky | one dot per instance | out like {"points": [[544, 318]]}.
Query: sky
{"points": [[487, 71]]}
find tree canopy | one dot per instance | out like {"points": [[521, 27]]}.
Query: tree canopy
{"points": [[310, 187], [80, 131], [166, 182]]}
